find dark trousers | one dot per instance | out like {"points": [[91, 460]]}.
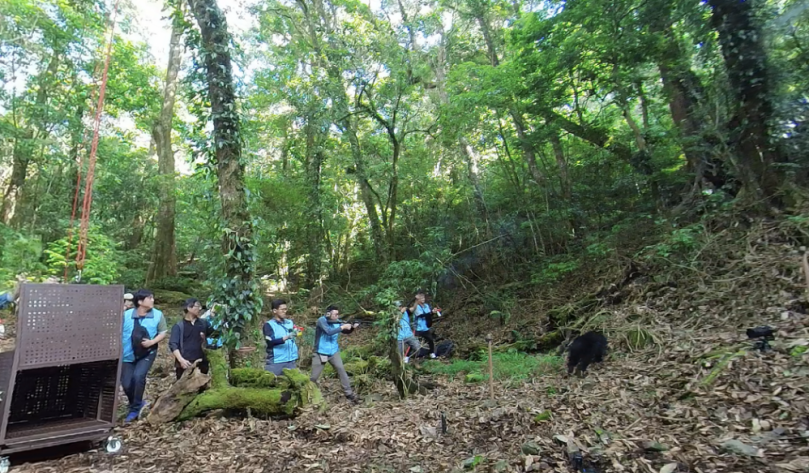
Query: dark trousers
{"points": [[202, 366], [133, 380], [428, 336]]}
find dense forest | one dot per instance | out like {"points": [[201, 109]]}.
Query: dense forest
{"points": [[539, 168], [409, 144]]}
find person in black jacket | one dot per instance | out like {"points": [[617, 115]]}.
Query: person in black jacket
{"points": [[188, 338]]}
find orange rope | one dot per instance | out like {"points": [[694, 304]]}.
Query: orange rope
{"points": [[81, 251]]}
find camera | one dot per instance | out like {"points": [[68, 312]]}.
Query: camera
{"points": [[763, 334], [760, 332]]}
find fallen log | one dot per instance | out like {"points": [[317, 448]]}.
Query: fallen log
{"points": [[247, 390], [169, 406]]}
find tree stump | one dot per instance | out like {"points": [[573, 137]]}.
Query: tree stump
{"points": [[169, 406]]}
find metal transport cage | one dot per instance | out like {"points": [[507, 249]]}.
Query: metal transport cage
{"points": [[59, 385]]}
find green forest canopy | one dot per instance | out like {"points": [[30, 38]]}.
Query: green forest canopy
{"points": [[409, 143]]}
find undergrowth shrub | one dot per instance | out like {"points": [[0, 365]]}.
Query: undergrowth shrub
{"points": [[680, 241], [511, 366], [101, 265], [554, 270], [19, 254]]}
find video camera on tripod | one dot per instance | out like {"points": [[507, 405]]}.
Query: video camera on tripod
{"points": [[763, 335]]}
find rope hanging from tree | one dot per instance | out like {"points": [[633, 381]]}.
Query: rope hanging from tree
{"points": [[84, 225]]}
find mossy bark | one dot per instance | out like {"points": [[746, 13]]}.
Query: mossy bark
{"points": [[247, 390], [261, 402]]}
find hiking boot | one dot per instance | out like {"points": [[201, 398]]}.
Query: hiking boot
{"points": [[353, 398], [131, 417]]}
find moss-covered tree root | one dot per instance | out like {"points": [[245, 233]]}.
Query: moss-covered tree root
{"points": [[248, 390]]}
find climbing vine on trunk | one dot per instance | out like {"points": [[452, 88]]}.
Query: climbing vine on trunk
{"points": [[237, 291]]}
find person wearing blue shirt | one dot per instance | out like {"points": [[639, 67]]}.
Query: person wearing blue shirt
{"points": [[327, 330], [215, 340], [144, 327], [280, 334], [424, 320], [405, 334], [10, 297]]}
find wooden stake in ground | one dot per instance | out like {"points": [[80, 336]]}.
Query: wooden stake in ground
{"points": [[491, 367]]}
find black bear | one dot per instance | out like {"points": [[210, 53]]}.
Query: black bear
{"points": [[585, 349]]}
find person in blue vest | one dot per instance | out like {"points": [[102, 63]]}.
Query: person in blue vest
{"points": [[280, 334], [215, 339], [144, 328], [405, 337], [424, 320], [327, 331]]}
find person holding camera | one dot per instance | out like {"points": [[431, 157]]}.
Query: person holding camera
{"points": [[280, 334], [424, 320], [405, 336], [327, 331]]}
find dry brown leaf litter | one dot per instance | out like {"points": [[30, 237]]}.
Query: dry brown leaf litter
{"points": [[643, 411]]}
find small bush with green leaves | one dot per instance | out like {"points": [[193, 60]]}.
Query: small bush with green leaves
{"points": [[510, 366], [101, 264]]}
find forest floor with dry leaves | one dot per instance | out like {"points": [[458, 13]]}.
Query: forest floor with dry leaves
{"points": [[698, 399]]}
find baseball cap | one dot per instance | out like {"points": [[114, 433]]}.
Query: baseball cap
{"points": [[128, 297]]}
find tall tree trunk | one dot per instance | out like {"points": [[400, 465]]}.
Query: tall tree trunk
{"points": [[742, 42], [343, 120], [314, 229], [466, 149], [237, 245], [519, 123], [366, 191], [164, 254], [527, 147], [559, 154], [389, 212], [393, 194], [21, 153], [24, 147], [474, 179], [136, 232], [684, 91]]}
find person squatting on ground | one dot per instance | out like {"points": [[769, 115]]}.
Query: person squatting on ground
{"points": [[405, 335], [188, 338], [424, 320], [10, 297], [144, 328], [280, 333], [327, 331]]}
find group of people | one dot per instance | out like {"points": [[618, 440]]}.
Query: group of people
{"points": [[281, 335], [407, 338], [144, 327]]}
